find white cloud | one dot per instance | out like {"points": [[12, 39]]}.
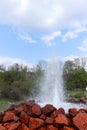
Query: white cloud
{"points": [[75, 31], [26, 38], [84, 46], [70, 57], [79, 28], [49, 39], [46, 14], [5, 60], [69, 35]]}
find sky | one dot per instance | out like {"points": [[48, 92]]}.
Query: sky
{"points": [[34, 30]]}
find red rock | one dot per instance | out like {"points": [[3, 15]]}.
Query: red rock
{"points": [[1, 116], [62, 120], [82, 110], [24, 118], [48, 109], [68, 128], [42, 128], [43, 117], [12, 125], [80, 121], [10, 116], [73, 112], [30, 102], [2, 127], [18, 109], [82, 100], [30, 116], [23, 127], [51, 127], [61, 111], [12, 107], [49, 120], [36, 110], [23, 107], [35, 123], [85, 110], [56, 112], [27, 109]]}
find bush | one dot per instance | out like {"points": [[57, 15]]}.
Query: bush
{"points": [[79, 95]]}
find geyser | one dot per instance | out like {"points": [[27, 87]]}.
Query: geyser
{"points": [[52, 88], [52, 84]]}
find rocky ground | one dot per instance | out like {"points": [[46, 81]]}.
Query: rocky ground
{"points": [[77, 100], [30, 116]]}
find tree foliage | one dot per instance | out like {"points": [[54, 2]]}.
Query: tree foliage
{"points": [[17, 81], [75, 76]]}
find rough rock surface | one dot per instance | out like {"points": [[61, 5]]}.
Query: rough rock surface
{"points": [[31, 116]]}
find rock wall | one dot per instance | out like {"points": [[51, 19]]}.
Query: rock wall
{"points": [[30, 116]]}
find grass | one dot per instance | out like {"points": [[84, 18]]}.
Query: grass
{"points": [[5, 103], [77, 93]]}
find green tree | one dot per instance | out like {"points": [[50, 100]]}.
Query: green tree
{"points": [[74, 75]]}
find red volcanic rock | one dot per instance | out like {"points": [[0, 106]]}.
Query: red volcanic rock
{"points": [[30, 116], [30, 102], [49, 120], [23, 127], [67, 128], [10, 116], [12, 125], [56, 112], [82, 110], [24, 118], [12, 107], [2, 127], [51, 127], [35, 123], [36, 110], [26, 108], [80, 121], [61, 111], [82, 100], [62, 120], [73, 112], [1, 116], [42, 128], [18, 109], [43, 117], [48, 109]]}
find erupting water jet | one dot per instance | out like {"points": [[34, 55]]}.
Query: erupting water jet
{"points": [[52, 87]]}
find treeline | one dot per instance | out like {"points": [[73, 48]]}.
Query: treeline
{"points": [[18, 82], [75, 74]]}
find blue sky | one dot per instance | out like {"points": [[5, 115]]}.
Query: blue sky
{"points": [[34, 30]]}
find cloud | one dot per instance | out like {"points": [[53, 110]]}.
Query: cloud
{"points": [[49, 39], [75, 31], [69, 35], [43, 15], [84, 46], [5, 60], [70, 57], [79, 27], [26, 38]]}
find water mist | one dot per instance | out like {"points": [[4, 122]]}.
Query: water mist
{"points": [[52, 84]]}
